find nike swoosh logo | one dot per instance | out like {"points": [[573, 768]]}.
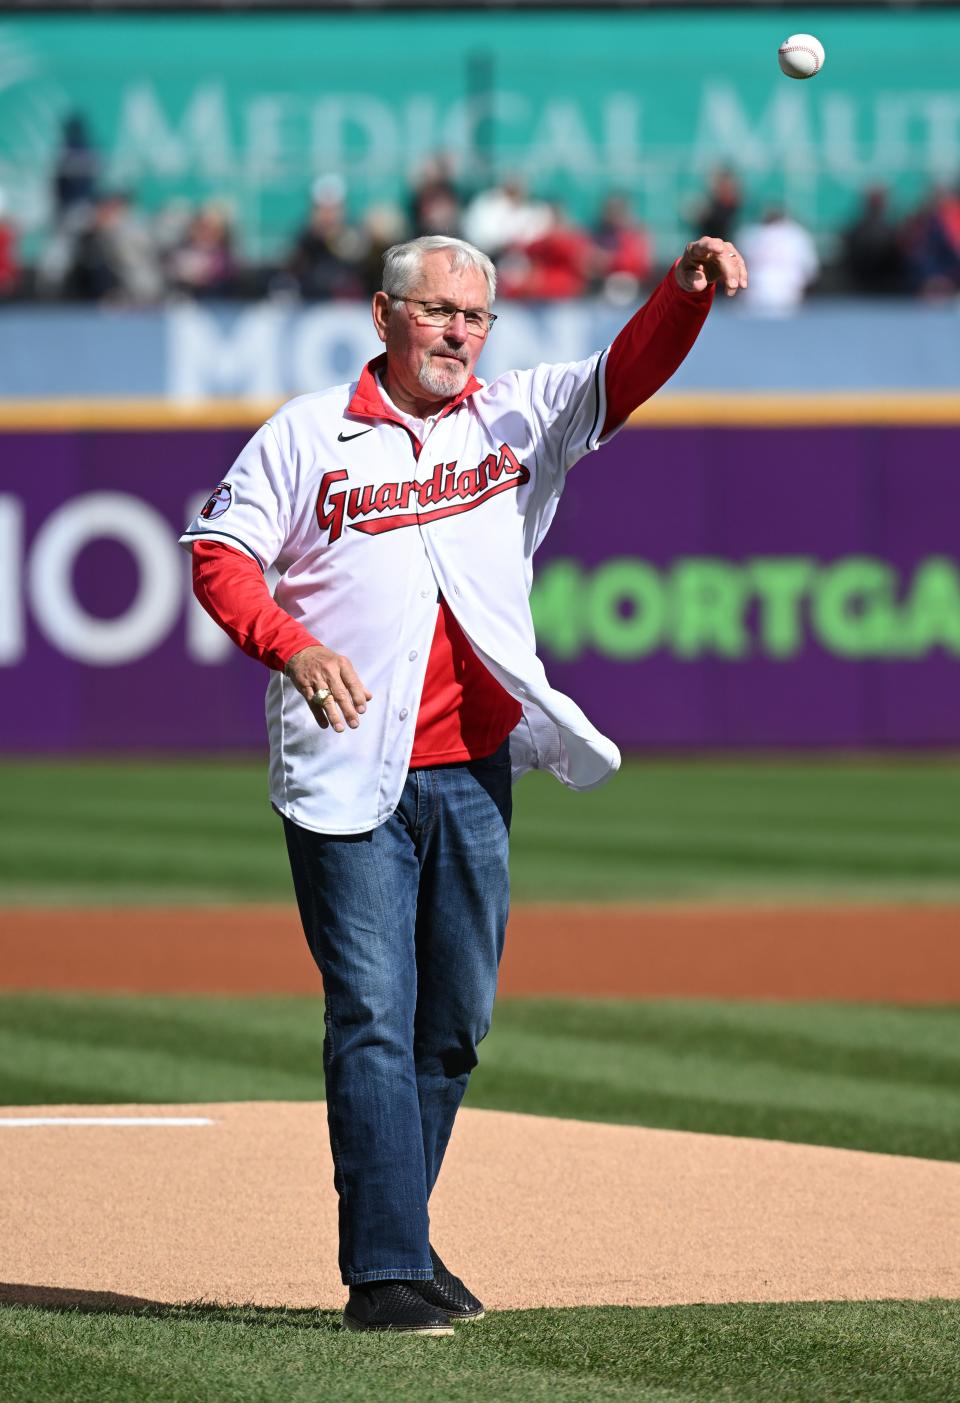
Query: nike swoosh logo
{"points": [[345, 438]]}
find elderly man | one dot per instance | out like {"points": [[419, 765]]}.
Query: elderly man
{"points": [[402, 513]]}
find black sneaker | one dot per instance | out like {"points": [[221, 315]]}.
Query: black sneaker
{"points": [[394, 1305], [447, 1292]]}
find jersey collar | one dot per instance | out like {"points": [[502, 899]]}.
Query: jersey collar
{"points": [[367, 401]]}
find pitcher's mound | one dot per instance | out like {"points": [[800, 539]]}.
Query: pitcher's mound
{"points": [[531, 1211]]}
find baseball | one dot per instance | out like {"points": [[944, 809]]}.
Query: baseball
{"points": [[800, 56]]}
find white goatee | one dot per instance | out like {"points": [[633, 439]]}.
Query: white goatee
{"points": [[442, 376]]}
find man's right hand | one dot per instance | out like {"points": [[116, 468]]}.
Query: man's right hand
{"points": [[707, 261], [318, 669]]}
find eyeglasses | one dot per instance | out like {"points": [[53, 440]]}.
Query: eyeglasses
{"points": [[443, 313]]}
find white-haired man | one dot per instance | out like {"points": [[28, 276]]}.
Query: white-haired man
{"points": [[402, 512]]}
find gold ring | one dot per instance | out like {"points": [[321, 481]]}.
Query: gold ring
{"points": [[320, 695]]}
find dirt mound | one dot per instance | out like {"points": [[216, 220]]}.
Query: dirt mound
{"points": [[240, 1208]]}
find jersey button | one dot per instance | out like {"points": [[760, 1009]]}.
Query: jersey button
{"points": [[412, 654], [404, 714], [424, 594]]}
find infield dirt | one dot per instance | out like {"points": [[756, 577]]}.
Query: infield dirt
{"points": [[900, 954], [533, 1211]]}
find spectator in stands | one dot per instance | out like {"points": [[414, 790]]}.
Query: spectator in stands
{"points": [[721, 205], [114, 258], [327, 256], [383, 226], [932, 244], [783, 262], [505, 217], [9, 266], [435, 206], [170, 227], [76, 172], [872, 258], [558, 263], [203, 263], [75, 181], [623, 253]]}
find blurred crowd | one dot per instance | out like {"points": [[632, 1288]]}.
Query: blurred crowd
{"points": [[103, 248]]}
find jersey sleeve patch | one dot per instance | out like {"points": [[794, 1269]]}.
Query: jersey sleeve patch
{"points": [[217, 503]]}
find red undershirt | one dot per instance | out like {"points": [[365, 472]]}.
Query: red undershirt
{"points": [[464, 712]]}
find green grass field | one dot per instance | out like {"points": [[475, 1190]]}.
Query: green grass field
{"points": [[876, 1078], [872, 1352], [732, 830]]}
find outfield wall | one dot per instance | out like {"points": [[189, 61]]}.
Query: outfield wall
{"points": [[751, 583], [190, 353]]}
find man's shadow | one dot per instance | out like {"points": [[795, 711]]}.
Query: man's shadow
{"points": [[79, 1302]]}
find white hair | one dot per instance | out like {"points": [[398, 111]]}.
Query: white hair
{"points": [[403, 263]]}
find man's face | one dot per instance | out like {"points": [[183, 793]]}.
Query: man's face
{"points": [[429, 362]]}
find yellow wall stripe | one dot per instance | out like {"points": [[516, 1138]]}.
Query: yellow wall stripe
{"points": [[59, 414], [664, 411]]}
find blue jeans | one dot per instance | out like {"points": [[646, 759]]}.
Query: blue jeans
{"points": [[406, 924]]}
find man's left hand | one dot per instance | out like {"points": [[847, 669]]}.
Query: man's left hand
{"points": [[707, 261]]}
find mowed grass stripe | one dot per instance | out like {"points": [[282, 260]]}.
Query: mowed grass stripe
{"points": [[146, 856], [140, 830], [706, 1108], [759, 850], [130, 846], [876, 1041], [672, 1071], [135, 790], [852, 831], [594, 1085], [144, 807], [872, 1078], [743, 829], [821, 1352]]}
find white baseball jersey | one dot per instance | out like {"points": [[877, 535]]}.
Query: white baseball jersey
{"points": [[365, 536]]}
